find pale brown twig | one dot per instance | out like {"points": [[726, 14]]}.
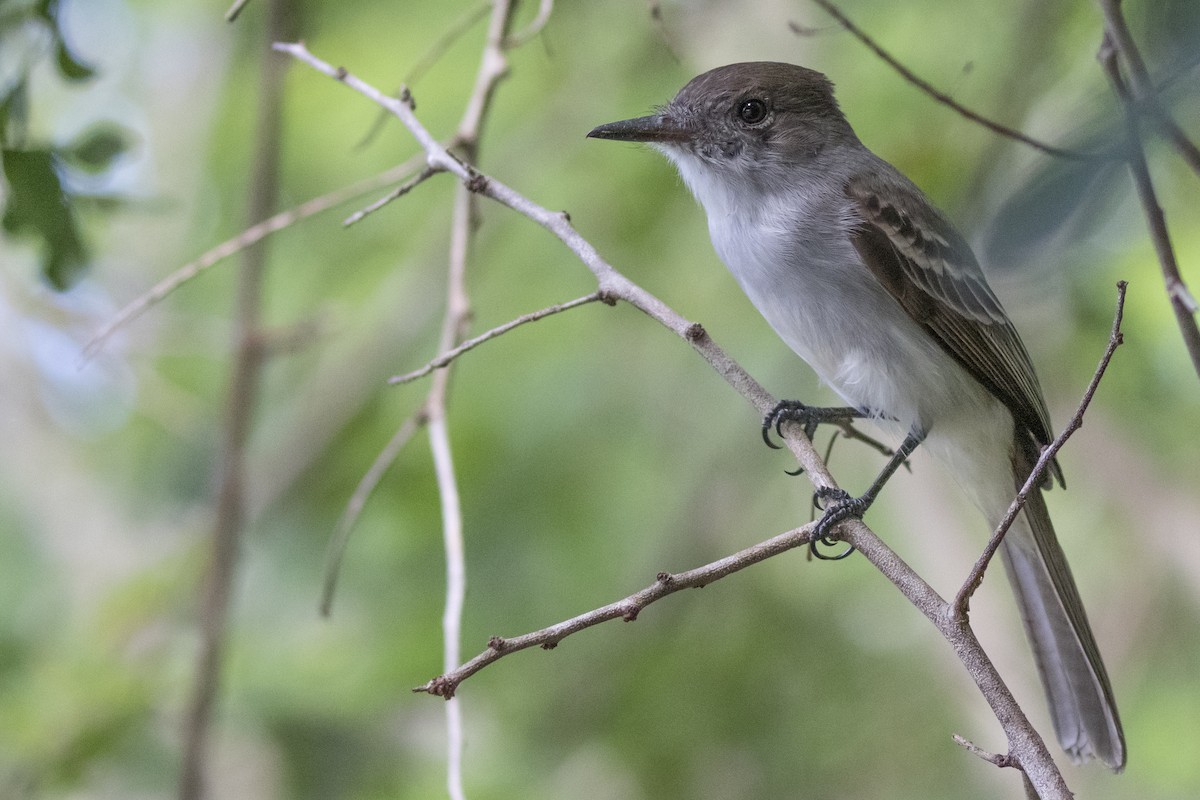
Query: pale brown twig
{"points": [[545, 9], [235, 9], [255, 233], [391, 196], [448, 357], [627, 608], [994, 759], [1036, 478]]}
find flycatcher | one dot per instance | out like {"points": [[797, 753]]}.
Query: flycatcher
{"points": [[869, 283]]}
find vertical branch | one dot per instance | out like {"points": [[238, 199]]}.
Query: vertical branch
{"points": [[239, 410], [456, 589], [492, 68]]}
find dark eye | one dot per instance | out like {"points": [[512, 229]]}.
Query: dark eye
{"points": [[752, 111]]}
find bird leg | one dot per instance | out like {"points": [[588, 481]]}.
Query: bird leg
{"points": [[844, 506]]}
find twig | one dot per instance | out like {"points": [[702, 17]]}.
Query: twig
{"points": [[492, 68], [1034, 482], [660, 24], [445, 359], [456, 584], [992, 758], [235, 9], [395, 194], [1119, 38], [1183, 303], [430, 57], [850, 432], [545, 9], [628, 608], [349, 518], [237, 244], [940, 96], [443, 43]]}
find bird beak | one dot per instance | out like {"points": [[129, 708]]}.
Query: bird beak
{"points": [[655, 128]]}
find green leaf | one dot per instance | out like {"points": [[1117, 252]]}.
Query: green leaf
{"points": [[38, 207], [14, 112], [96, 148], [70, 67]]}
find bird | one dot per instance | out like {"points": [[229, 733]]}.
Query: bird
{"points": [[867, 281]]}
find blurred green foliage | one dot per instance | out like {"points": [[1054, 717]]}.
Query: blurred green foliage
{"points": [[593, 448], [40, 202]]}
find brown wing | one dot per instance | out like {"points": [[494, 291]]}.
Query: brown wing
{"points": [[930, 270]]}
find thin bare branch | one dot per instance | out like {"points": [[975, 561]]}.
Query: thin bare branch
{"points": [[545, 9], [492, 68], [1037, 477], [992, 758], [628, 608], [349, 518], [444, 42], [1121, 40], [401, 190], [456, 584], [942, 97], [253, 234], [445, 359], [1183, 302], [235, 9], [660, 24], [430, 57]]}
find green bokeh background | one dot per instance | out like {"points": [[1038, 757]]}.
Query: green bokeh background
{"points": [[594, 449]]}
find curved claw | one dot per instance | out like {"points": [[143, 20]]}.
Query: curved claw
{"points": [[817, 554], [844, 508], [784, 411], [766, 434]]}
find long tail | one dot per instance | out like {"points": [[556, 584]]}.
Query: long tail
{"points": [[1077, 686]]}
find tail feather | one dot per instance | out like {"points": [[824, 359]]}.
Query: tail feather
{"points": [[1068, 659]]}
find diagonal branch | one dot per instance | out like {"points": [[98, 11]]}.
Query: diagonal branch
{"points": [[250, 236], [1034, 482], [942, 97], [627, 608], [349, 518], [448, 357], [395, 194]]}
